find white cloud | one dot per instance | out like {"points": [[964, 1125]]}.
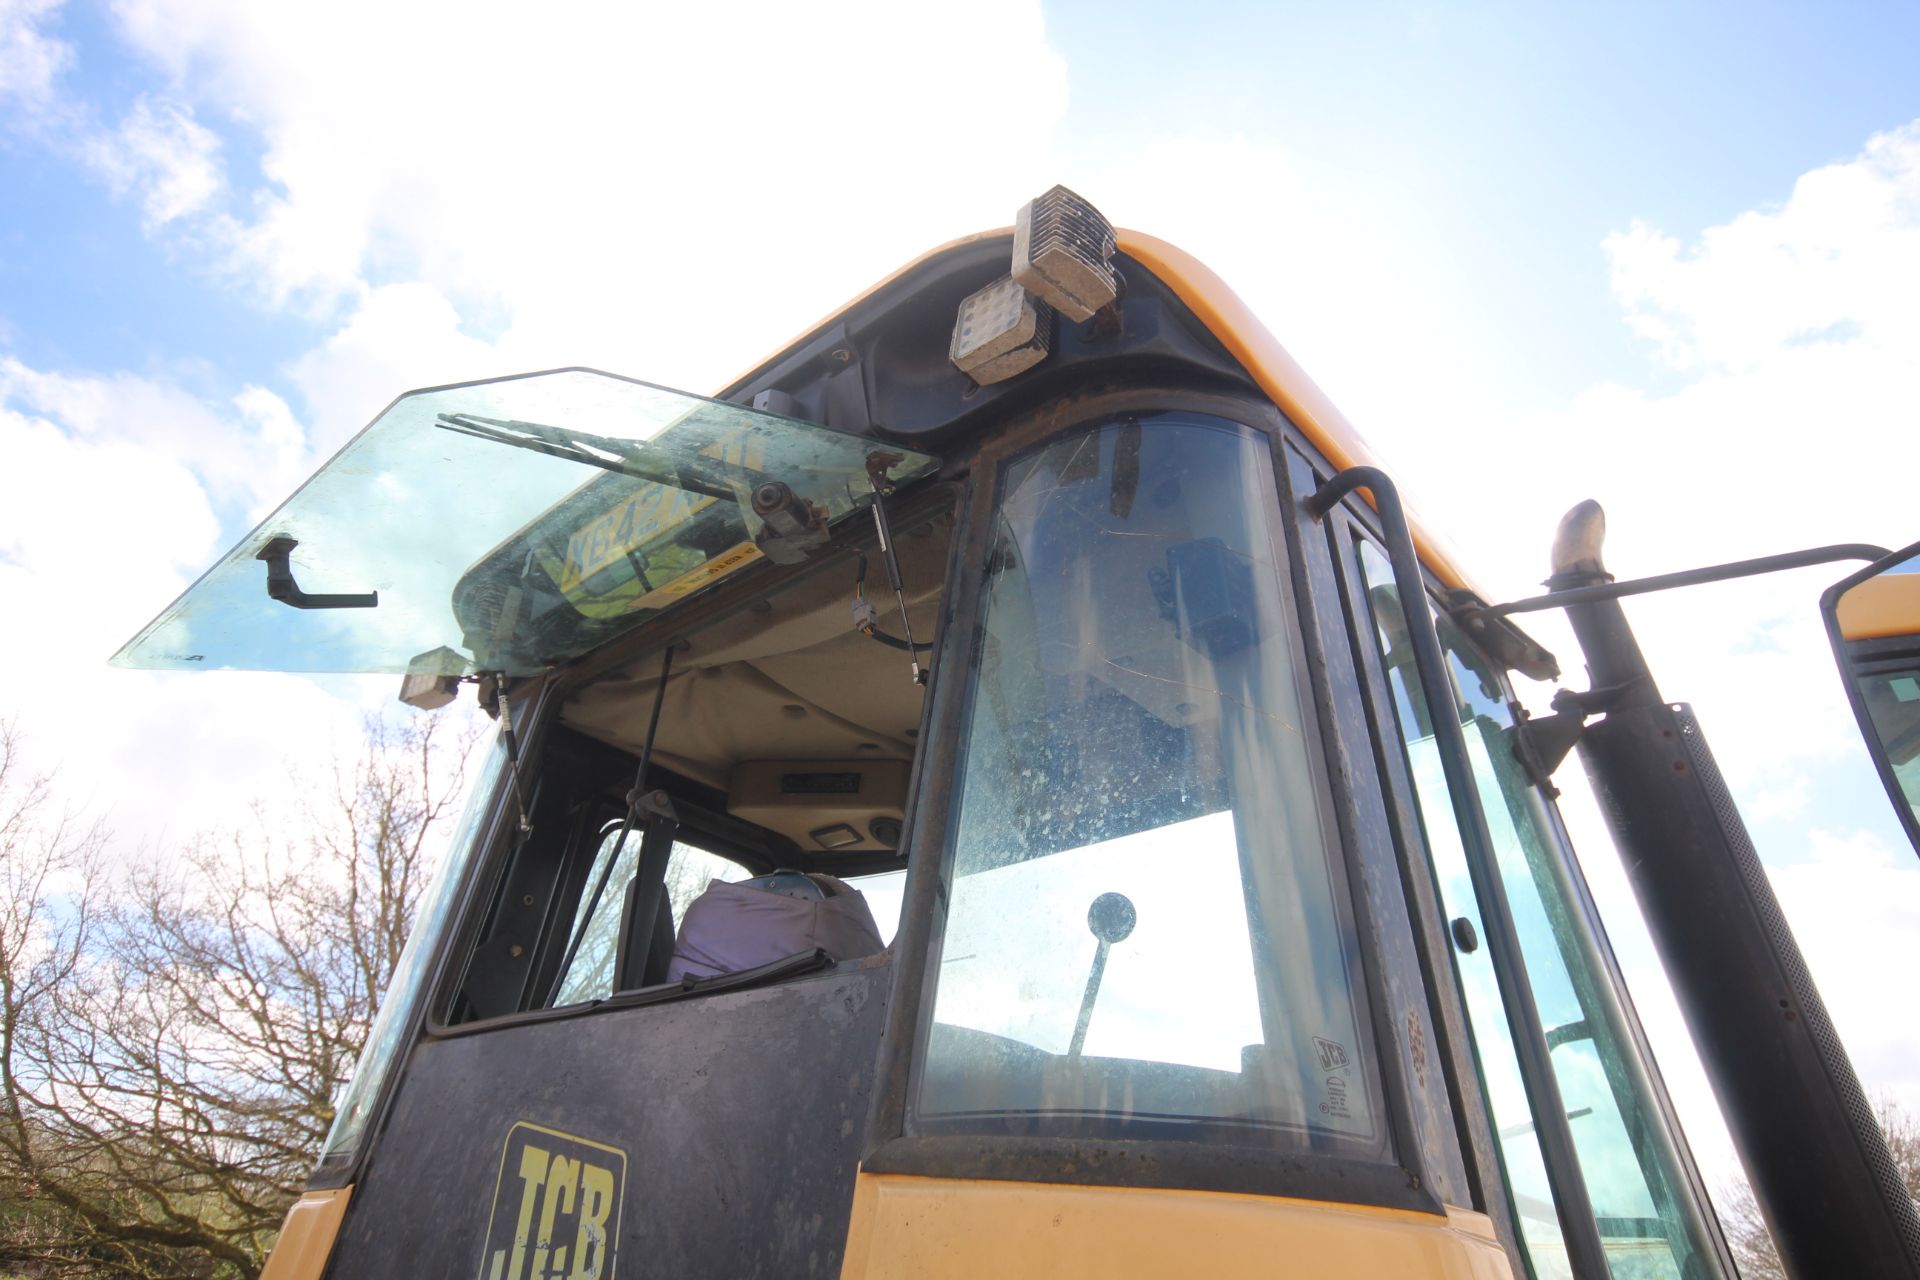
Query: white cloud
{"points": [[158, 153], [1774, 443], [241, 454], [110, 503], [30, 59], [593, 189], [1836, 263], [165, 157], [399, 337], [278, 451], [54, 475]]}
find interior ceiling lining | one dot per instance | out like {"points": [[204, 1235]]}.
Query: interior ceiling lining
{"points": [[788, 681]]}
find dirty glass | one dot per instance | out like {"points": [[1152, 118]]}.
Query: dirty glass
{"points": [[1147, 927], [1619, 1131], [507, 525], [400, 1002]]}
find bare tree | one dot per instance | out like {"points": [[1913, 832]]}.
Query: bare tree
{"points": [[48, 862], [1746, 1229], [171, 1059]]}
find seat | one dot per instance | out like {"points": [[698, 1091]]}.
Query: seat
{"points": [[733, 927]]}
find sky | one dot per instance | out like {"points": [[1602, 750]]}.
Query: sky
{"points": [[1664, 256]]}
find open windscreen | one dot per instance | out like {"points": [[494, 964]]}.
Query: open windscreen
{"points": [[508, 525]]}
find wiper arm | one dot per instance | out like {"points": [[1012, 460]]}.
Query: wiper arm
{"points": [[622, 457]]}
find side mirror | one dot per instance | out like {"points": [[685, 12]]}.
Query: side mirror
{"points": [[1873, 619]]}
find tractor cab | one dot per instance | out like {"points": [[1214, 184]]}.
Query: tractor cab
{"points": [[985, 794]]}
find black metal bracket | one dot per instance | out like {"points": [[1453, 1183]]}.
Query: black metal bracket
{"points": [[280, 584], [1500, 639], [1541, 745]]}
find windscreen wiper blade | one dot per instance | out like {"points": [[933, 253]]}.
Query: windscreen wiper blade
{"points": [[622, 457]]}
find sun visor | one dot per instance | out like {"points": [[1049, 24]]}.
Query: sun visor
{"points": [[508, 525]]}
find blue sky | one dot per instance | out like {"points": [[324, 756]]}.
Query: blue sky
{"points": [[1666, 256], [1514, 137], [1517, 136]]}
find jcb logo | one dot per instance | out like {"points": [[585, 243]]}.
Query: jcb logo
{"points": [[556, 1208]]}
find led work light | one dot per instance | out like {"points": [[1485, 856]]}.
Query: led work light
{"points": [[1062, 251]]}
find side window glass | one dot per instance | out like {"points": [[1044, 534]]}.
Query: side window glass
{"points": [[596, 922], [885, 892], [1619, 1130], [690, 871]]}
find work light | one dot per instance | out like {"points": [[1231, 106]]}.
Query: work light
{"points": [[1000, 331], [1062, 253]]}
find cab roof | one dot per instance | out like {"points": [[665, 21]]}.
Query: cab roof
{"points": [[1228, 320]]}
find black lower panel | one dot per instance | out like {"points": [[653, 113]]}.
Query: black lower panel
{"points": [[714, 1136]]}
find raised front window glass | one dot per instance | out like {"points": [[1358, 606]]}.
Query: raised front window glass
{"points": [[1147, 926], [509, 525]]}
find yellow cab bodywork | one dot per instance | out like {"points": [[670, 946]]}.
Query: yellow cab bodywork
{"points": [[926, 1228]]}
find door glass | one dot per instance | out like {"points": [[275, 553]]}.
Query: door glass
{"points": [[1147, 922], [1619, 1130], [884, 891], [597, 921], [690, 870], [509, 525]]}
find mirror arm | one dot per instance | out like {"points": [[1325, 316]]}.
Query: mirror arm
{"points": [[1685, 578]]}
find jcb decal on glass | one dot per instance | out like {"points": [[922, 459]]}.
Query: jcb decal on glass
{"points": [[556, 1208]]}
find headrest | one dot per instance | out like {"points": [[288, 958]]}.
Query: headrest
{"points": [[795, 884]]}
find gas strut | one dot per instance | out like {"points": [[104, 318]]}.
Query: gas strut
{"points": [[504, 713], [877, 464]]}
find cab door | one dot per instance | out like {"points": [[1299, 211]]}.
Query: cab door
{"points": [[558, 1119], [1157, 1008], [1650, 1208]]}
